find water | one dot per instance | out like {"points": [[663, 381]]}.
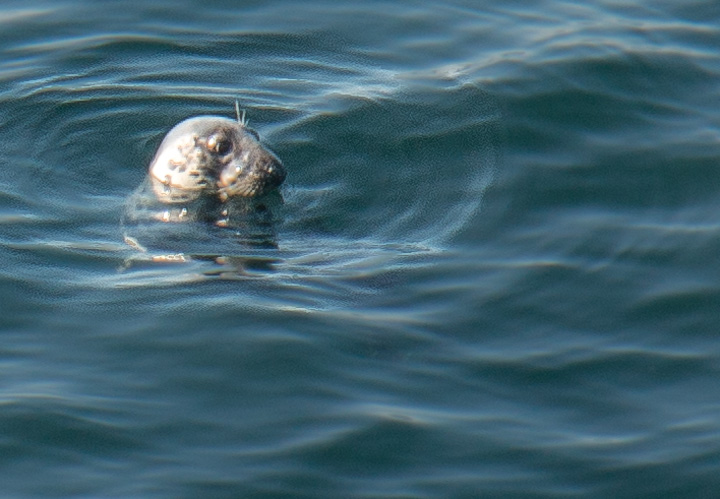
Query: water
{"points": [[492, 273]]}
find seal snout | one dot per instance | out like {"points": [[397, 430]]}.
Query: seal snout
{"points": [[252, 169]]}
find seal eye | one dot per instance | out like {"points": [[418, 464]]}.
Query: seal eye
{"points": [[219, 145]]}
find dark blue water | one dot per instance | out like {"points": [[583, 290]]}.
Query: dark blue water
{"points": [[493, 273]]}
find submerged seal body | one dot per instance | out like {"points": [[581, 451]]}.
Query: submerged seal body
{"points": [[213, 157]]}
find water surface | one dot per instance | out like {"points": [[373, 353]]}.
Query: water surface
{"points": [[492, 272]]}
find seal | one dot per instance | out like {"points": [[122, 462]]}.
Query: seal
{"points": [[208, 169], [213, 157]]}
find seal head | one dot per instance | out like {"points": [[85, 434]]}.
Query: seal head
{"points": [[213, 156]]}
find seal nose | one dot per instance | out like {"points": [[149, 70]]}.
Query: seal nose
{"points": [[276, 171], [253, 171]]}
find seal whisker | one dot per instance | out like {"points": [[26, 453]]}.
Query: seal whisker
{"points": [[242, 119]]}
